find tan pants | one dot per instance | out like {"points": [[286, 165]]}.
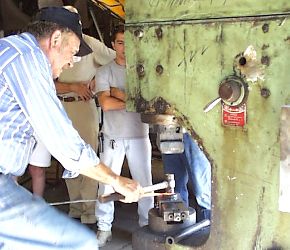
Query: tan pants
{"points": [[84, 117]]}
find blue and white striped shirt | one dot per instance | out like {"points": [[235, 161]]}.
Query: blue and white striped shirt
{"points": [[29, 106]]}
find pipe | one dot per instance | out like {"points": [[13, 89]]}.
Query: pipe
{"points": [[170, 240]]}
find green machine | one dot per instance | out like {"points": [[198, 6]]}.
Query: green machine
{"points": [[220, 68]]}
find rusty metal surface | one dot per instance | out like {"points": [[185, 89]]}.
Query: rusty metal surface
{"points": [[159, 119]]}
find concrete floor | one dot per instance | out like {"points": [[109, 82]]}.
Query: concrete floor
{"points": [[125, 217]]}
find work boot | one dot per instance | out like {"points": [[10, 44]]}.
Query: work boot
{"points": [[104, 237]]}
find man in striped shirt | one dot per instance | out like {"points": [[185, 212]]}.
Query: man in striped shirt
{"points": [[29, 106]]}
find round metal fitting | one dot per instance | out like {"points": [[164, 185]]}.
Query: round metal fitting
{"points": [[138, 33], [265, 60], [140, 70], [159, 33], [265, 27], [232, 91], [159, 69], [265, 92]]}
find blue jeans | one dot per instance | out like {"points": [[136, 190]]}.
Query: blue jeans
{"points": [[28, 223], [192, 165]]}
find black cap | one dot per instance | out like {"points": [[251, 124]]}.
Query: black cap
{"points": [[68, 19]]}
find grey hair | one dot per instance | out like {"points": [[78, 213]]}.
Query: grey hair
{"points": [[43, 29]]}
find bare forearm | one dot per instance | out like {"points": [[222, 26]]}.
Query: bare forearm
{"points": [[117, 93], [102, 174], [62, 88], [82, 89], [111, 103], [131, 189]]}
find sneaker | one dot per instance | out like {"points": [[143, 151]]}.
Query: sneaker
{"points": [[104, 237]]}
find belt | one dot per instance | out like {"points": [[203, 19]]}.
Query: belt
{"points": [[69, 98]]}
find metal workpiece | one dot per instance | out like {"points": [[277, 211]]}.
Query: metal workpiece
{"points": [[158, 225], [202, 44], [171, 208]]}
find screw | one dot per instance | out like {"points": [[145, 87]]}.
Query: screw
{"points": [[139, 33], [265, 28], [159, 69], [158, 32], [265, 92], [140, 70], [265, 60]]}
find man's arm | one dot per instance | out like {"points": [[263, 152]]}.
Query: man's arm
{"points": [[82, 89], [117, 93], [125, 186], [109, 102]]}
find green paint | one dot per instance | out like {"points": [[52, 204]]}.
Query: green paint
{"points": [[160, 10], [196, 56]]}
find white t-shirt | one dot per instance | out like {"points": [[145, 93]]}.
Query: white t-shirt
{"points": [[118, 123]]}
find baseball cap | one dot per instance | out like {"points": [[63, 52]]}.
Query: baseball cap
{"points": [[68, 19]]}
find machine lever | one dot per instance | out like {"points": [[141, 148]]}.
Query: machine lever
{"points": [[211, 105]]}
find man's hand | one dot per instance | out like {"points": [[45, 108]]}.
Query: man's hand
{"points": [[129, 188], [125, 186], [117, 93], [108, 102], [92, 86], [83, 90]]}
